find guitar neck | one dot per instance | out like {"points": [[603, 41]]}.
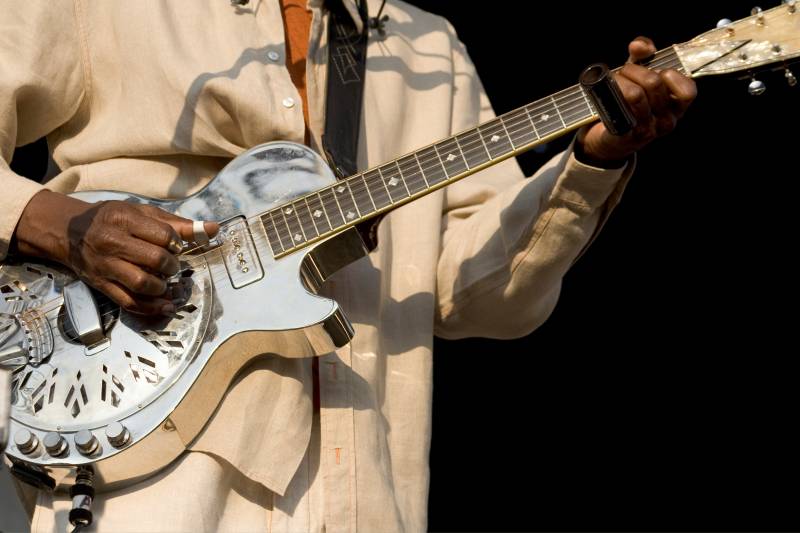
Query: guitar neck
{"points": [[363, 196]]}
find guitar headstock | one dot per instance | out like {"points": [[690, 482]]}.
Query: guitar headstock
{"points": [[768, 39]]}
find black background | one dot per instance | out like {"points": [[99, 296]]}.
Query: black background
{"points": [[659, 395]]}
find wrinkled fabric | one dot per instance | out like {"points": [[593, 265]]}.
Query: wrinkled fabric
{"points": [[156, 97]]}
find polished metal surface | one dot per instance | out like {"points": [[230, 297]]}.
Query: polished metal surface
{"points": [[83, 315], [117, 434], [55, 444], [86, 442], [131, 407], [25, 441], [756, 87], [5, 406]]}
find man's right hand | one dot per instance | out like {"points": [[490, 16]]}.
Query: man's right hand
{"points": [[124, 250]]}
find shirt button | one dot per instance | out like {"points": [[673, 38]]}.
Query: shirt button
{"points": [[288, 102], [273, 55]]}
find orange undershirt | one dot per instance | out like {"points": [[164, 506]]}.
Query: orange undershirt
{"points": [[296, 28]]}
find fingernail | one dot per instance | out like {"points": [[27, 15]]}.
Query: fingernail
{"points": [[174, 246]]}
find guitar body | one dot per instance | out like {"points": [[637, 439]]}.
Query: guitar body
{"points": [[161, 378], [96, 386]]}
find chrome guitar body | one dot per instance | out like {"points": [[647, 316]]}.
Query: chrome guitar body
{"points": [[94, 385]]}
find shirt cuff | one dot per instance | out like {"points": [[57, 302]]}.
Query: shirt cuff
{"points": [[17, 192], [587, 185]]}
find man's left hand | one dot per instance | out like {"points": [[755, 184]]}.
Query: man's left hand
{"points": [[656, 99]]}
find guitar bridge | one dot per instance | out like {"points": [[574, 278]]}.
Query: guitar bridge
{"points": [[239, 253]]}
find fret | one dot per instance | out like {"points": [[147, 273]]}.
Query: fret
{"points": [[533, 123], [577, 109], [411, 176], [589, 105], [558, 112], [283, 229], [473, 149], [272, 233], [421, 170], [306, 219], [332, 207], [377, 189], [432, 165], [320, 217], [505, 130], [293, 230], [520, 128], [543, 116], [452, 157], [363, 199], [394, 182], [346, 202], [494, 137], [293, 223]]}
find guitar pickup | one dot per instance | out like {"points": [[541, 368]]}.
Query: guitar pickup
{"points": [[239, 253]]}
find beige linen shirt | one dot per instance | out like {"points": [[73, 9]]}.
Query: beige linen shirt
{"points": [[156, 97]]}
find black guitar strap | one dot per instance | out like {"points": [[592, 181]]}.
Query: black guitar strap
{"points": [[347, 60]]}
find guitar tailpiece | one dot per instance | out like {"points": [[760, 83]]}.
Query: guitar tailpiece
{"points": [[82, 494]]}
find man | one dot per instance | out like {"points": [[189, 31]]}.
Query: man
{"points": [[156, 97]]}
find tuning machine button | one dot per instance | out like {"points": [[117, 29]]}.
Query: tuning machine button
{"points": [[759, 14], [792, 5], [756, 87]]}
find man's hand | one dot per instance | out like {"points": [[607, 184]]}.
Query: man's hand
{"points": [[657, 100], [124, 250]]}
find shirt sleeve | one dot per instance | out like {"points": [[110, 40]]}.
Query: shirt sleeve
{"points": [[509, 240], [41, 87]]}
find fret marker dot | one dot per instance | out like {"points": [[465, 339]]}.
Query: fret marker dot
{"points": [[394, 181], [317, 213], [340, 189], [350, 215], [288, 210], [451, 158], [297, 237], [495, 138], [545, 117]]}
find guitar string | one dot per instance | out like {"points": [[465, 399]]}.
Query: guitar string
{"points": [[515, 117], [360, 191], [541, 105]]}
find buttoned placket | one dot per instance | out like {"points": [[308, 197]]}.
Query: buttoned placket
{"points": [[330, 459]]}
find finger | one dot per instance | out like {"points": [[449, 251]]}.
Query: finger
{"points": [[636, 97], [682, 90], [183, 226], [134, 278], [654, 87], [640, 49], [141, 224], [133, 303], [150, 256]]}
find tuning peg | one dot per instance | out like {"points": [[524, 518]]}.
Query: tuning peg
{"points": [[758, 12], [724, 23], [792, 5], [790, 78], [756, 87]]}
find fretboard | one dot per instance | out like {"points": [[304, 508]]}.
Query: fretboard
{"points": [[330, 210]]}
